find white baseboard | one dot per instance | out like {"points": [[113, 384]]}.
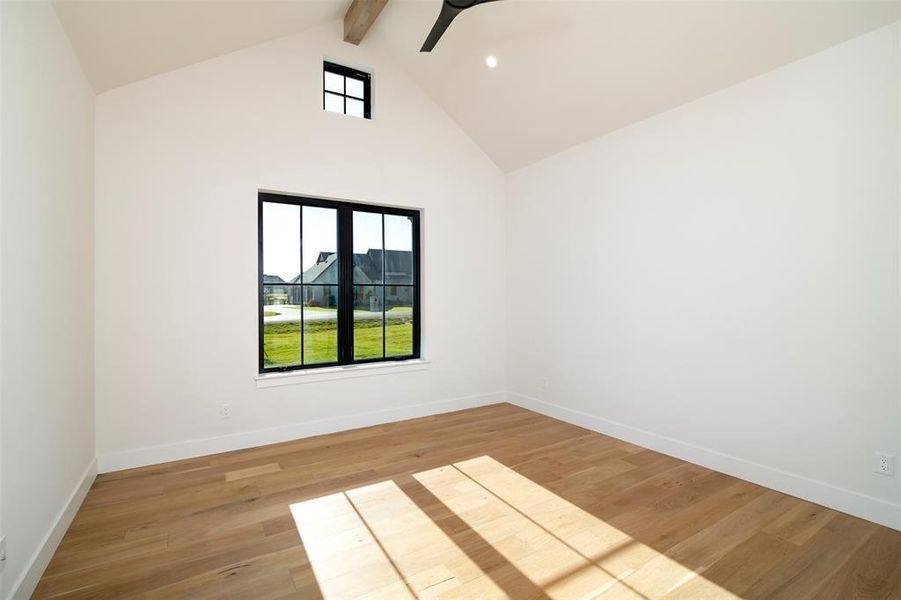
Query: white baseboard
{"points": [[152, 455], [844, 500], [28, 580]]}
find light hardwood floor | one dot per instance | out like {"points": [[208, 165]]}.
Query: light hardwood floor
{"points": [[490, 502]]}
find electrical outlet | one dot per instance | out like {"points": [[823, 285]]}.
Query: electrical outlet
{"points": [[2, 552], [225, 411], [885, 464]]}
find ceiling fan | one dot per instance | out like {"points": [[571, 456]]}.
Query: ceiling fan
{"points": [[449, 11]]}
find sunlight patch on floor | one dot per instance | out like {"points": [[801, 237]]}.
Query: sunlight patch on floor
{"points": [[587, 541], [374, 541]]}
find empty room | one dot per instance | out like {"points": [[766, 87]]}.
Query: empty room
{"points": [[410, 299]]}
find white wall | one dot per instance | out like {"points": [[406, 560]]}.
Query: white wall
{"points": [[179, 160], [2, 49], [46, 276], [721, 281]]}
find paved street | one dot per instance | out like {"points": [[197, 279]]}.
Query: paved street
{"points": [[291, 314]]}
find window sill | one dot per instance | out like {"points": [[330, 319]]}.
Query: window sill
{"points": [[267, 380]]}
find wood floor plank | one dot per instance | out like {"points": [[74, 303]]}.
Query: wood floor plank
{"points": [[252, 471], [800, 523], [874, 571], [740, 568], [806, 571], [490, 502]]}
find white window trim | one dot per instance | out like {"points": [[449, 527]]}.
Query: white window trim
{"points": [[267, 380]]}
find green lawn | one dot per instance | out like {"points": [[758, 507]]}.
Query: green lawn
{"points": [[281, 341]]}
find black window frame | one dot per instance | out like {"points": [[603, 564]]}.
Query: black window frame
{"points": [[345, 316], [335, 68]]}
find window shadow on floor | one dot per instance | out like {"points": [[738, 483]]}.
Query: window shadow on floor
{"points": [[479, 529]]}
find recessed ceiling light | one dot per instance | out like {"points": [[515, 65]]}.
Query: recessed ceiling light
{"points": [[491, 61]]}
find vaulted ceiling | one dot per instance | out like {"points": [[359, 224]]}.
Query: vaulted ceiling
{"points": [[123, 41], [567, 71]]}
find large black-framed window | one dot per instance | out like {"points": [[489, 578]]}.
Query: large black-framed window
{"points": [[346, 91], [338, 283]]}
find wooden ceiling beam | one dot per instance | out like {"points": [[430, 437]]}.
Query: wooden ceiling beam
{"points": [[359, 18]]}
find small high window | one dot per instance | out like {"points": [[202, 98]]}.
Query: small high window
{"points": [[345, 90]]}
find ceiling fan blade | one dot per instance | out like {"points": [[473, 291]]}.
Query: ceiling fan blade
{"points": [[448, 13]]}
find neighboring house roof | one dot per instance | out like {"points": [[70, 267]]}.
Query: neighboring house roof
{"points": [[398, 265], [360, 276], [367, 268], [270, 279], [319, 273]]}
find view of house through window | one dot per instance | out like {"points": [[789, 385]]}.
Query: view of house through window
{"points": [[338, 283]]}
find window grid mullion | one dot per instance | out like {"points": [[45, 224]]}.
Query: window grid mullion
{"points": [[345, 287], [300, 250]]}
